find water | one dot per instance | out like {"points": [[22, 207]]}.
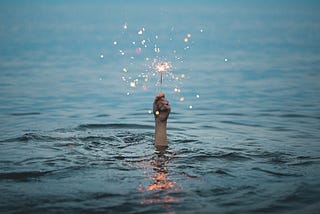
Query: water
{"points": [[73, 141]]}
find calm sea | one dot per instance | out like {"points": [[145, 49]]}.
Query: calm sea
{"points": [[77, 82]]}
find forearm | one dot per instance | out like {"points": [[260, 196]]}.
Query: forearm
{"points": [[160, 138]]}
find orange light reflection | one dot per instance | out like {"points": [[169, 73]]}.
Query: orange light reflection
{"points": [[162, 185]]}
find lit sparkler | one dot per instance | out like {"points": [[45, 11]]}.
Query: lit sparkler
{"points": [[161, 66]]}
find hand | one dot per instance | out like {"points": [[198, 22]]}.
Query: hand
{"points": [[161, 107]]}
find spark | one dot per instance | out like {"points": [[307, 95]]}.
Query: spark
{"points": [[133, 84], [138, 50], [162, 67]]}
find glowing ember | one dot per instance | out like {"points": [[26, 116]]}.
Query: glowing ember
{"points": [[138, 50], [162, 67], [133, 84]]}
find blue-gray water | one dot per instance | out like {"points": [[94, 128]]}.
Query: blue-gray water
{"points": [[72, 140]]}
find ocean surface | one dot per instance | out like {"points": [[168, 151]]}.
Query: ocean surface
{"points": [[77, 82]]}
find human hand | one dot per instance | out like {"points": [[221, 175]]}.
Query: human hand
{"points": [[161, 107]]}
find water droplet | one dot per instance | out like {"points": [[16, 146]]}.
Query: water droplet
{"points": [[188, 35], [186, 40], [181, 99], [182, 75], [125, 70], [149, 111], [157, 112], [190, 107], [101, 56], [197, 95], [115, 42], [226, 60]]}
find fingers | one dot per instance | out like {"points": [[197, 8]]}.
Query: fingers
{"points": [[159, 96], [160, 103]]}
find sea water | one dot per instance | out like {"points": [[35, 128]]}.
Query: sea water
{"points": [[76, 135]]}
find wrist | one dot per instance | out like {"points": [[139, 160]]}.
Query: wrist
{"points": [[160, 123]]}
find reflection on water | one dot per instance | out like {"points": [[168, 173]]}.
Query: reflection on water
{"points": [[162, 184], [245, 125]]}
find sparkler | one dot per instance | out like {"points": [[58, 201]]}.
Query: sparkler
{"points": [[162, 67], [157, 67]]}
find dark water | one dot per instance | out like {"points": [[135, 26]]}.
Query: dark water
{"points": [[73, 141]]}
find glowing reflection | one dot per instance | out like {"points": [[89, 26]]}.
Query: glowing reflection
{"points": [[162, 185]]}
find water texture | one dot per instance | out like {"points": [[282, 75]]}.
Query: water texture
{"points": [[76, 138]]}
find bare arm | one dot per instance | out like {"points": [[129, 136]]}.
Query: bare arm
{"points": [[161, 111]]}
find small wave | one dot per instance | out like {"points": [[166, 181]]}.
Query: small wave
{"points": [[279, 174], [280, 129], [103, 115], [231, 114], [294, 116], [23, 175], [29, 137], [305, 161], [222, 172], [232, 156], [113, 126], [25, 114], [239, 124]]}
